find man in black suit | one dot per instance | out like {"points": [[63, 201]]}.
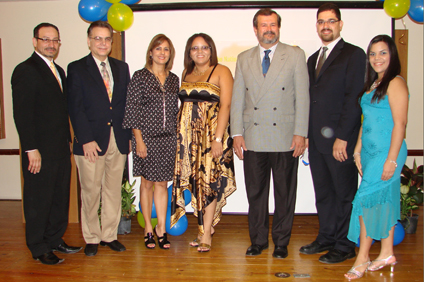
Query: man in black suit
{"points": [[41, 118], [97, 89], [336, 76]]}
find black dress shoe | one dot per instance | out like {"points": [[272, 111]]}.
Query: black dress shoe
{"points": [[114, 245], [65, 249], [314, 248], [256, 250], [49, 258], [280, 252], [90, 249], [336, 256]]}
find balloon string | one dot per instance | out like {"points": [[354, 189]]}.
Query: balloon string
{"points": [[403, 34]]}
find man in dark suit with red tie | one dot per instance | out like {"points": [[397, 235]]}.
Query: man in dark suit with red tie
{"points": [[41, 118], [97, 90], [336, 76]]}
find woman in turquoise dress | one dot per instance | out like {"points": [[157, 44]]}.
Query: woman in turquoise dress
{"points": [[380, 154], [204, 161]]}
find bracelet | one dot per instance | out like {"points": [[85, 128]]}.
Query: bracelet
{"points": [[392, 161], [355, 154]]}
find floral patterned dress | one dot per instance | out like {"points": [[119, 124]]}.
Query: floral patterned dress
{"points": [[207, 178]]}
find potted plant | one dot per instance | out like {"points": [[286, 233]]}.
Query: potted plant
{"points": [[128, 207], [411, 196]]}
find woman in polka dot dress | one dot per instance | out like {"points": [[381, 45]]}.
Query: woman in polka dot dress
{"points": [[151, 112]]}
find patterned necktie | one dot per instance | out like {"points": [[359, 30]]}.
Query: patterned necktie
{"points": [[55, 74], [321, 60], [266, 62], [106, 79]]}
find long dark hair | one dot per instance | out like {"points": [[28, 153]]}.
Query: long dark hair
{"points": [[188, 62], [391, 72]]}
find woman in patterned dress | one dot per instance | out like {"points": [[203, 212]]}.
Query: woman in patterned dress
{"points": [[204, 162], [379, 154], [151, 113]]}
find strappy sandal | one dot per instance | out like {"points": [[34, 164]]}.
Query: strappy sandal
{"points": [[149, 239], [203, 248], [196, 242], [163, 240], [357, 273], [374, 267]]}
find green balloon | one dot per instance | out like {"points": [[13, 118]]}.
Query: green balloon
{"points": [[396, 8], [120, 16], [140, 219], [113, 1]]}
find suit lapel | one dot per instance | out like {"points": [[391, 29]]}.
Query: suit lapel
{"points": [[115, 76], [93, 70], [255, 66], [333, 55], [47, 72], [278, 61]]}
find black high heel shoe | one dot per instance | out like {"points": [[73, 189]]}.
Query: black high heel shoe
{"points": [[163, 240], [149, 239]]}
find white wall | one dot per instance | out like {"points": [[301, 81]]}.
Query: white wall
{"points": [[18, 18]]}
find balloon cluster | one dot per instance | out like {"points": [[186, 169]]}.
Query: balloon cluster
{"points": [[398, 8], [398, 235], [119, 15], [180, 227]]}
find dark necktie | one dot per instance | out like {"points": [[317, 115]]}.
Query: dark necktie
{"points": [[321, 60], [266, 62]]}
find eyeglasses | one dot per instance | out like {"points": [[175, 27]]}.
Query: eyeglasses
{"points": [[99, 39], [198, 48], [329, 22], [48, 40]]}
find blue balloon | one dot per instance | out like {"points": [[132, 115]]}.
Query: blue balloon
{"points": [[153, 215], [129, 2], [416, 10], [357, 244], [93, 10], [179, 228], [399, 234], [187, 197]]}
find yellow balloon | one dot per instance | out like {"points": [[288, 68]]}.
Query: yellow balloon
{"points": [[396, 8], [120, 16], [113, 1]]}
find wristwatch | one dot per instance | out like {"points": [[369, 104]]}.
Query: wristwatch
{"points": [[217, 139]]}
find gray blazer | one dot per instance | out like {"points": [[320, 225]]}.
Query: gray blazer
{"points": [[268, 111]]}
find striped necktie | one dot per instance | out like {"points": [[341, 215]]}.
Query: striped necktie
{"points": [[321, 60]]}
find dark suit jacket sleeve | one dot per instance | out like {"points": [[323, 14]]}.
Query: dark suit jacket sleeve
{"points": [[355, 76], [80, 122], [24, 91]]}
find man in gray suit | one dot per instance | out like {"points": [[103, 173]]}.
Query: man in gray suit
{"points": [[269, 123]]}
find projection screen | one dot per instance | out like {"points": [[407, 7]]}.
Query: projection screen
{"points": [[232, 31]]}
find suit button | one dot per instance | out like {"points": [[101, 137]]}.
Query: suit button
{"points": [[274, 124], [275, 109], [110, 108], [315, 86], [108, 123], [255, 108], [247, 89], [255, 124], [283, 88], [314, 102]]}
